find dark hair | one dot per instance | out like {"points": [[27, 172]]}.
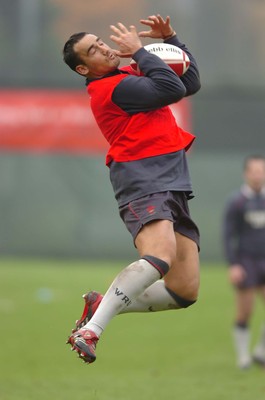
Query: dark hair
{"points": [[253, 157], [70, 57]]}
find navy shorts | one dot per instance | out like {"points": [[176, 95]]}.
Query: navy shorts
{"points": [[255, 272], [172, 206]]}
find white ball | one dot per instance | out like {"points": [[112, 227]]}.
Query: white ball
{"points": [[173, 56]]}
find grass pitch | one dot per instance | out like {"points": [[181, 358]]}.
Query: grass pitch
{"points": [[185, 354]]}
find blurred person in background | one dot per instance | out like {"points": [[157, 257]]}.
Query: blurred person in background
{"points": [[148, 172], [244, 245]]}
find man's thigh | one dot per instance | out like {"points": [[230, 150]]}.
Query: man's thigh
{"points": [[157, 238]]}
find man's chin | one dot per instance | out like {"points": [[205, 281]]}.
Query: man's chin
{"points": [[114, 65], [117, 62]]}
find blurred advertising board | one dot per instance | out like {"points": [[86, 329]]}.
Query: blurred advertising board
{"points": [[57, 121]]}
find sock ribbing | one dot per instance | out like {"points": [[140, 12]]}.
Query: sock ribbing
{"points": [[159, 264]]}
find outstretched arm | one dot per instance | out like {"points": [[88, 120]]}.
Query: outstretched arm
{"points": [[161, 29]]}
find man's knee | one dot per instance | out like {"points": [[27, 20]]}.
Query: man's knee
{"points": [[181, 301]]}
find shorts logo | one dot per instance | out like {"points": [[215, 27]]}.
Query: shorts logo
{"points": [[151, 210]]}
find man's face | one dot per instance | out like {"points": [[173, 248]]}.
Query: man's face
{"points": [[97, 57], [254, 174]]}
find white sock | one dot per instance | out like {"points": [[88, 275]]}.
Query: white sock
{"points": [[154, 298], [242, 340], [128, 285]]}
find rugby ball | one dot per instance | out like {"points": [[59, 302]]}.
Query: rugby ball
{"points": [[173, 56]]}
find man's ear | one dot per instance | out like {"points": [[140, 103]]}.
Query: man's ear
{"points": [[82, 69]]}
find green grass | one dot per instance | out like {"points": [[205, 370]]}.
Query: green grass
{"points": [[186, 354]]}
